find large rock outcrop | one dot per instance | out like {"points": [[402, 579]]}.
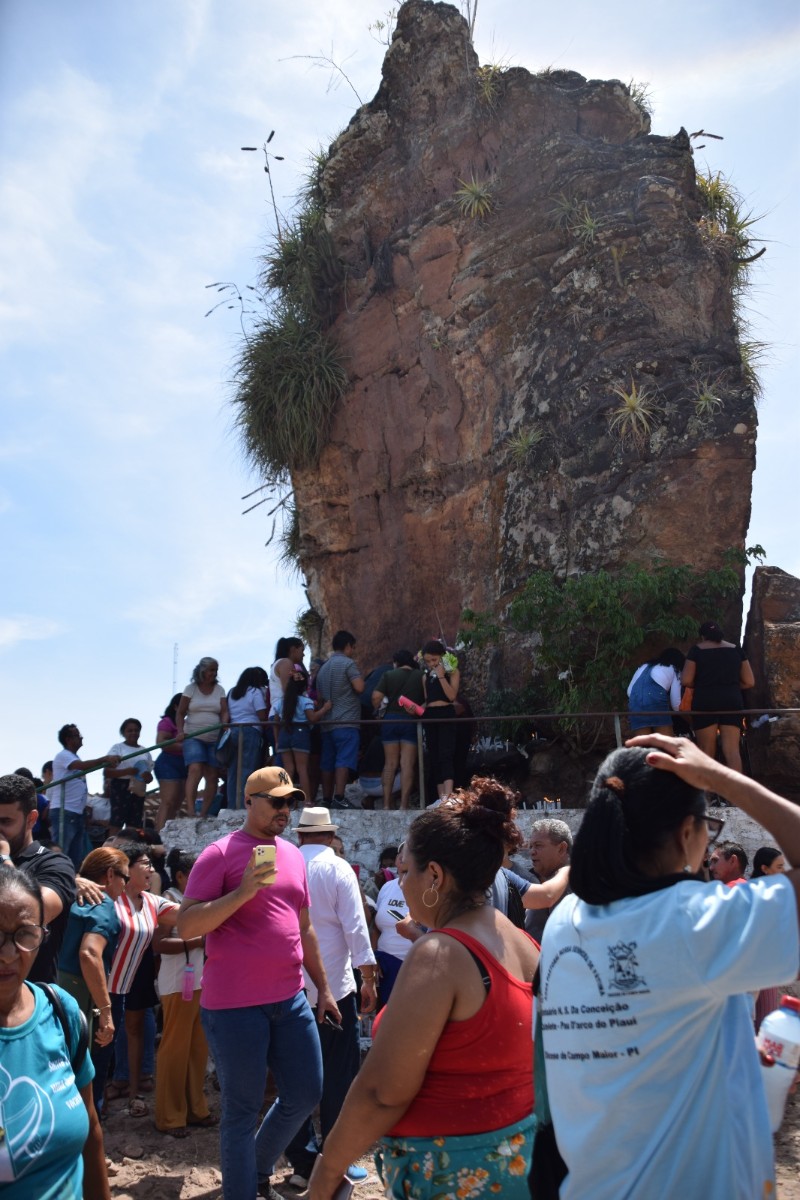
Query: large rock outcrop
{"points": [[475, 441], [772, 641]]}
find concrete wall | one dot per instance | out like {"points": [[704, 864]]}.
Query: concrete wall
{"points": [[365, 833]]}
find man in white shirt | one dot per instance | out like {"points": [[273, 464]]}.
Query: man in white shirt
{"points": [[68, 800], [343, 938]]}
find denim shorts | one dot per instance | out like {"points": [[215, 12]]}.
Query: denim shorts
{"points": [[340, 748], [398, 728], [298, 738], [195, 751], [169, 766]]}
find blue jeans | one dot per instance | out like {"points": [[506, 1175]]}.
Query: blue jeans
{"points": [[252, 752], [74, 841], [121, 1071], [244, 1043]]}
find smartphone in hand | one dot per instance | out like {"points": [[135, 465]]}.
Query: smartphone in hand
{"points": [[265, 856]]}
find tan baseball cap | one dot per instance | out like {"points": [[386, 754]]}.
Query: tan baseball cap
{"points": [[272, 781]]}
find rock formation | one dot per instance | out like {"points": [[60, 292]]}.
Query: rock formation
{"points": [[476, 438], [772, 642]]}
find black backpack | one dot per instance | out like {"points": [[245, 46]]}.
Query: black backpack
{"points": [[76, 1056]]}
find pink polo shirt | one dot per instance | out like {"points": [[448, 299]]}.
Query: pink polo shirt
{"points": [[255, 957]]}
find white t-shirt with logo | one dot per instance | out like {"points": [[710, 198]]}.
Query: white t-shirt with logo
{"points": [[652, 1073]]}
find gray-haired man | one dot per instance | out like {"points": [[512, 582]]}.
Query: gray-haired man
{"points": [[551, 846]]}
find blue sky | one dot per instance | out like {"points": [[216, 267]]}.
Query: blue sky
{"points": [[123, 192]]}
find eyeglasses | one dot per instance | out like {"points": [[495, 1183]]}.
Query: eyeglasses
{"points": [[122, 875], [275, 801], [715, 826], [26, 938]]}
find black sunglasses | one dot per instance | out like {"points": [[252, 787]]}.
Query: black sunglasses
{"points": [[275, 801], [122, 875]]}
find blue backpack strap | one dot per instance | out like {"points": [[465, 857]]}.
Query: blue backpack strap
{"points": [[77, 1056]]}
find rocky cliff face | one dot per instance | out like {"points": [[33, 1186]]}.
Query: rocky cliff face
{"points": [[475, 441], [772, 641]]}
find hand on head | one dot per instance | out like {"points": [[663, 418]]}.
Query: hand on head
{"points": [[682, 757]]}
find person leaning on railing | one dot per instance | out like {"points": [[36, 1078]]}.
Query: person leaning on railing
{"points": [[202, 704]]}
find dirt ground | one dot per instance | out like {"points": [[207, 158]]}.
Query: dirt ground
{"points": [[147, 1165]]}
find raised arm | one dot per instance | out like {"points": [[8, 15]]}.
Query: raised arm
{"points": [[198, 917], [545, 895], [779, 817]]}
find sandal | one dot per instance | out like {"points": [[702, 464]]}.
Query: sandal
{"points": [[206, 1122], [147, 1083], [116, 1091], [180, 1132], [137, 1107]]}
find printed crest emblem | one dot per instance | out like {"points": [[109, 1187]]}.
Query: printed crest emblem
{"points": [[624, 967]]}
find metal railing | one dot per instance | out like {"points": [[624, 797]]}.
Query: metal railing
{"points": [[660, 717]]}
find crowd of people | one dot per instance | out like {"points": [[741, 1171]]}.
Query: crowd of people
{"points": [[650, 953]]}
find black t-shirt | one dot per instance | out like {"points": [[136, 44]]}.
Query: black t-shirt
{"points": [[52, 869], [717, 668]]}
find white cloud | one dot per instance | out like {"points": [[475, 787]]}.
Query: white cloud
{"points": [[14, 630]]}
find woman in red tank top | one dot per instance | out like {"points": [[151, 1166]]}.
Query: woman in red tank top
{"points": [[448, 1084]]}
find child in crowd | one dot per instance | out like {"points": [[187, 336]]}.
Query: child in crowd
{"points": [[297, 713]]}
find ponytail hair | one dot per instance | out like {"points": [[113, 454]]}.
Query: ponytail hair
{"points": [[633, 811], [296, 684]]}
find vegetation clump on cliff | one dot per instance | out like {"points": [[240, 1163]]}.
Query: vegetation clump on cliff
{"points": [[290, 375]]}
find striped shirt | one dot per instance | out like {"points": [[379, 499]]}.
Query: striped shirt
{"points": [[136, 934]]}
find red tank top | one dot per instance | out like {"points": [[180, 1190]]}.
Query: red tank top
{"points": [[480, 1076]]}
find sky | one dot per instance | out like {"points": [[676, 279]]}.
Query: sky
{"points": [[124, 193]]}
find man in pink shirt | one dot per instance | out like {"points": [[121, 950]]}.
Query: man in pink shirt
{"points": [[255, 1013]]}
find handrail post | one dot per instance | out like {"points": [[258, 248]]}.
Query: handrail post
{"points": [[61, 817], [239, 799], [421, 762]]}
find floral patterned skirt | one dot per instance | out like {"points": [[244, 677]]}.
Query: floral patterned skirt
{"points": [[459, 1168]]}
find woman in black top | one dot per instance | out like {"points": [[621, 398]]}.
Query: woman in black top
{"points": [[718, 672], [441, 688]]}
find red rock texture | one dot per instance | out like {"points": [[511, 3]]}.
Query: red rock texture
{"points": [[772, 641], [461, 334]]}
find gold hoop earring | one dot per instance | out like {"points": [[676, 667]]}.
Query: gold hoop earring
{"points": [[435, 896]]}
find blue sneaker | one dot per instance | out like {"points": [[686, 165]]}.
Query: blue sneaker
{"points": [[356, 1174]]}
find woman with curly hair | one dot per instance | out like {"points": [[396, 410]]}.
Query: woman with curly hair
{"points": [[448, 1084]]}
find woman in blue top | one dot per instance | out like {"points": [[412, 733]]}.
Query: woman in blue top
{"points": [[52, 1144], [90, 940]]}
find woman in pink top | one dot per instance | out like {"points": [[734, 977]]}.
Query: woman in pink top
{"points": [[169, 769]]}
